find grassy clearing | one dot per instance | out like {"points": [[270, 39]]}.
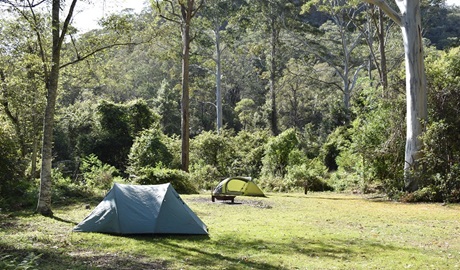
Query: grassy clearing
{"points": [[283, 231]]}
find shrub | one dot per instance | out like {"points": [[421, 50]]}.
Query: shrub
{"points": [[214, 149], [249, 150], [180, 180], [439, 166], [276, 155], [149, 150], [310, 174], [64, 188], [205, 176], [97, 174], [12, 179]]}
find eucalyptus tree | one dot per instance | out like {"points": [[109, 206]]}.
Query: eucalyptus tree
{"points": [[338, 45], [215, 18], [409, 20], [182, 13], [275, 15]]}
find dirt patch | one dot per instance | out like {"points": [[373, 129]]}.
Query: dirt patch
{"points": [[238, 201]]}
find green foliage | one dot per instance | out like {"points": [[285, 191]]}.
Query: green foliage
{"points": [[106, 130], [441, 152], [215, 150], [119, 126], [63, 188], [10, 262], [369, 154], [12, 168], [96, 174], [311, 174], [149, 150], [286, 167], [249, 147], [180, 180], [246, 110], [335, 143], [217, 156], [205, 176], [277, 152]]}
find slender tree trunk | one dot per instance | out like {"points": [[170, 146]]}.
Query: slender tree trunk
{"points": [[52, 82], [416, 92], [383, 56], [185, 121], [273, 111], [218, 79], [44, 197]]}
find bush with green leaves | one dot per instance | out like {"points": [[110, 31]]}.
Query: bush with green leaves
{"points": [[179, 179], [286, 167], [105, 129], [369, 154], [441, 151], [311, 174], [96, 174], [12, 168], [205, 176], [149, 150], [249, 147], [218, 156], [277, 152], [214, 149]]}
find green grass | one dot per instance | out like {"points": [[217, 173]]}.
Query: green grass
{"points": [[283, 231]]}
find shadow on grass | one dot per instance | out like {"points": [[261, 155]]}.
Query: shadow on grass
{"points": [[199, 252], [235, 253], [64, 220], [87, 260]]}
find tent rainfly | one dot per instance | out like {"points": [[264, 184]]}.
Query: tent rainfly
{"points": [[230, 187], [142, 209]]}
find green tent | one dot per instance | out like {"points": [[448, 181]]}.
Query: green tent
{"points": [[234, 186], [142, 209]]}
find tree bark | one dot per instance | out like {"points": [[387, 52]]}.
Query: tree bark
{"points": [[44, 197], [383, 56], [186, 11], [52, 82], [273, 110], [218, 78], [416, 91]]}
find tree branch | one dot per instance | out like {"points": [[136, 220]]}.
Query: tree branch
{"points": [[395, 16], [81, 58]]}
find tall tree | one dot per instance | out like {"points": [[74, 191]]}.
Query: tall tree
{"points": [[409, 20], [338, 46], [216, 15], [182, 12], [29, 10], [52, 82], [276, 16]]}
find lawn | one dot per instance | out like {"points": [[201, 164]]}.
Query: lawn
{"points": [[283, 231]]}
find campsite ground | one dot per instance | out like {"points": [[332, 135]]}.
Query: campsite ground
{"points": [[283, 231]]}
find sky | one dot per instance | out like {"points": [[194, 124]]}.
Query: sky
{"points": [[87, 15]]}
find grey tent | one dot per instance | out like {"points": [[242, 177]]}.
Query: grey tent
{"points": [[142, 209]]}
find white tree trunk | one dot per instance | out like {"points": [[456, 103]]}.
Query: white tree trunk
{"points": [[218, 79], [416, 93]]}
